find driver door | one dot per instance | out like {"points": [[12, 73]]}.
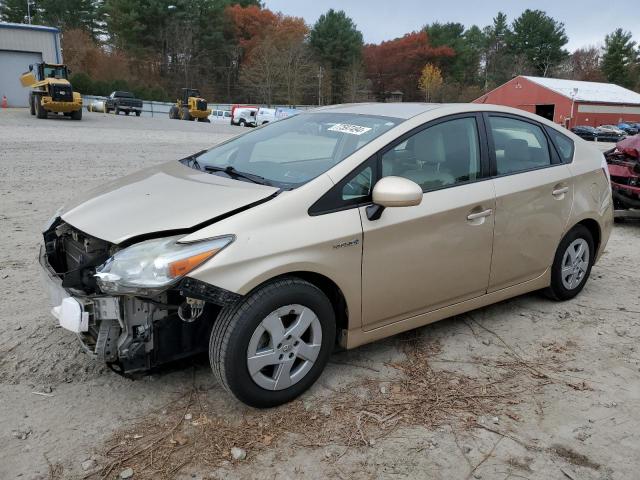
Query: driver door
{"points": [[418, 259]]}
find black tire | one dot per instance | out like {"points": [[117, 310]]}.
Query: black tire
{"points": [[173, 113], [557, 290], [117, 111], [184, 114], [126, 112], [235, 326], [32, 107], [76, 115], [241, 122], [40, 111], [138, 113]]}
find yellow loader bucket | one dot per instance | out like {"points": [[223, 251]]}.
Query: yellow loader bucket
{"points": [[27, 79]]}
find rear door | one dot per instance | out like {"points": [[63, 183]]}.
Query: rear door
{"points": [[534, 195]]}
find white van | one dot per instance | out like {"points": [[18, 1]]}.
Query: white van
{"points": [[244, 117], [265, 115], [220, 116]]}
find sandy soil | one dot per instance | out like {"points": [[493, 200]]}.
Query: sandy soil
{"points": [[566, 376]]}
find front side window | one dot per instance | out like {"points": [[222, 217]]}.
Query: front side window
{"points": [[519, 145], [295, 150], [359, 186], [443, 155]]}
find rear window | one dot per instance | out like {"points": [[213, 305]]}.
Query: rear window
{"points": [[563, 144]]}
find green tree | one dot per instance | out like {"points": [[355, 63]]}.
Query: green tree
{"points": [[68, 14], [463, 69], [497, 69], [539, 40], [337, 44], [15, 11], [619, 61]]}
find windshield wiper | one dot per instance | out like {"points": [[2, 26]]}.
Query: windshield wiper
{"points": [[192, 160], [232, 172]]}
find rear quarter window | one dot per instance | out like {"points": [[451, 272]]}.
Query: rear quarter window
{"points": [[564, 145]]}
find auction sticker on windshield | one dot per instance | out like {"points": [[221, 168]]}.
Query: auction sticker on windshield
{"points": [[351, 129]]}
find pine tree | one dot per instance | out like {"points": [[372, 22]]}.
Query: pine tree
{"points": [[620, 58]]}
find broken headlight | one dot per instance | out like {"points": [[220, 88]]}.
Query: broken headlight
{"points": [[154, 265]]}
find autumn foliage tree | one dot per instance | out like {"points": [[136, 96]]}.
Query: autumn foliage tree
{"points": [[397, 64], [430, 80], [275, 56]]}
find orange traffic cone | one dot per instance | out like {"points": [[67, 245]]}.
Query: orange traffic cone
{"points": [[4, 101]]}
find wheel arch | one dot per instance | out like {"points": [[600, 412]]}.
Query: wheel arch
{"points": [[328, 287], [594, 229]]}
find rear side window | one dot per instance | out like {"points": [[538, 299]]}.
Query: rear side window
{"points": [[563, 144], [519, 145]]}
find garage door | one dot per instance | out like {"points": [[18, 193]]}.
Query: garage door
{"points": [[13, 65]]}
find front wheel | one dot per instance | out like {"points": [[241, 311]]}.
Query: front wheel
{"points": [[138, 113], [274, 344], [572, 264], [40, 111], [76, 115]]}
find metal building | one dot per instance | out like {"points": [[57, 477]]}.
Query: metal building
{"points": [[20, 46], [568, 102]]}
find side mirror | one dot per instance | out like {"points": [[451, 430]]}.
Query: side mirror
{"points": [[393, 192], [31, 68]]}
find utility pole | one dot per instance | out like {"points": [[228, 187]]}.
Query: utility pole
{"points": [[29, 11], [573, 102], [320, 86]]}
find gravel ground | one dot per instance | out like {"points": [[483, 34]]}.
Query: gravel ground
{"points": [[577, 363]]}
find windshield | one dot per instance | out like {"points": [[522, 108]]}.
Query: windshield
{"points": [[293, 151], [55, 71]]}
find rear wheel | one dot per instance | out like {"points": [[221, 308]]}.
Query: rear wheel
{"points": [[241, 122], [126, 112], [572, 264], [274, 344], [76, 115], [138, 113], [173, 112], [32, 107], [184, 113], [117, 111]]}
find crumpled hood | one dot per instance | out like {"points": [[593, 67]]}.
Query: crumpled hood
{"points": [[168, 197]]}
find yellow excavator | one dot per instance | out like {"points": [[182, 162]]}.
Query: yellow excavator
{"points": [[190, 106], [51, 91]]}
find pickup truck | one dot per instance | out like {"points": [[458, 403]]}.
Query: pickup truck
{"points": [[125, 102]]}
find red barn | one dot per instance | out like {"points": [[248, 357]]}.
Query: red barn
{"points": [[568, 102]]}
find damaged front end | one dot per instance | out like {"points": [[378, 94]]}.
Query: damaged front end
{"points": [[624, 168], [132, 308]]}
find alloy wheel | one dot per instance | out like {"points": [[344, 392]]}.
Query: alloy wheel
{"points": [[575, 263], [284, 347]]}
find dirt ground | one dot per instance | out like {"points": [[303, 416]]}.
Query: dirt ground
{"points": [[525, 389]]}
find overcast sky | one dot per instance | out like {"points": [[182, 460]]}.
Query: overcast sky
{"points": [[586, 21]]}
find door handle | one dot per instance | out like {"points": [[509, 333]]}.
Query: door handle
{"points": [[475, 216], [560, 191]]}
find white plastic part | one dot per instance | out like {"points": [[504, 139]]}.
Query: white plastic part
{"points": [[71, 316]]}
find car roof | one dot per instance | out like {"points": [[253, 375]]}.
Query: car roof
{"points": [[395, 110]]}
